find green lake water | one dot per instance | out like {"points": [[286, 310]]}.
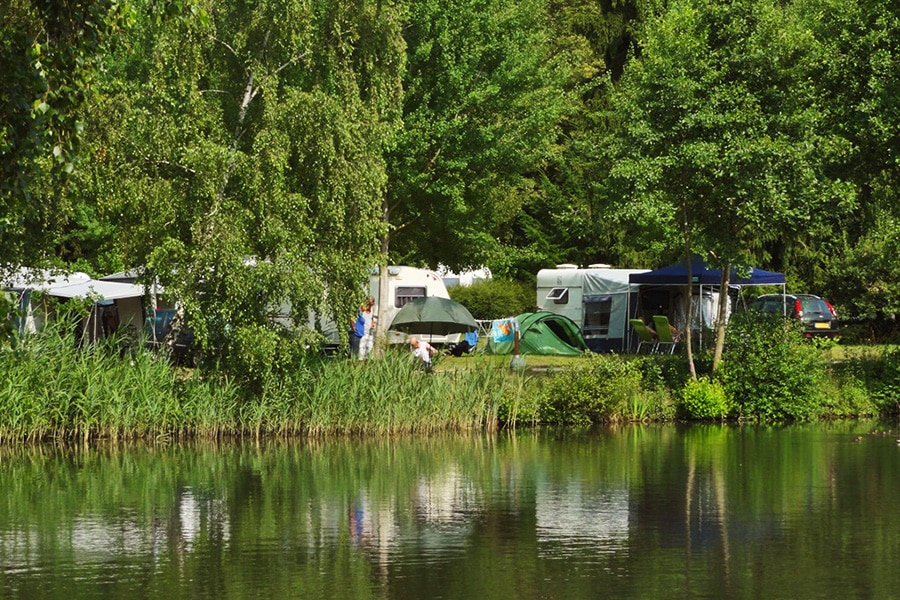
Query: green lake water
{"points": [[629, 512]]}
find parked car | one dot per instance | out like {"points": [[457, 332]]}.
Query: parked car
{"points": [[817, 315]]}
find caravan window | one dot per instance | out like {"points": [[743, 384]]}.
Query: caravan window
{"points": [[405, 294], [596, 315], [559, 295]]}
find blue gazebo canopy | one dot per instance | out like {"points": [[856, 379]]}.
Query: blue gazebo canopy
{"points": [[701, 274]]}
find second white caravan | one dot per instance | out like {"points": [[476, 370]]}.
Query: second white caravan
{"points": [[405, 284]]}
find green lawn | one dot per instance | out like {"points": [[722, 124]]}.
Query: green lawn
{"points": [[838, 352]]}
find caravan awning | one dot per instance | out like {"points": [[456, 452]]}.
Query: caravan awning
{"points": [[676, 274], [104, 290], [72, 285]]}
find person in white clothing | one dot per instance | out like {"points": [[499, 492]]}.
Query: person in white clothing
{"points": [[423, 351]]}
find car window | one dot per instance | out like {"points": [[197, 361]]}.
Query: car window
{"points": [[770, 306], [814, 306]]}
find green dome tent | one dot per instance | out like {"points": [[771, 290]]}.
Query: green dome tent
{"points": [[543, 333]]}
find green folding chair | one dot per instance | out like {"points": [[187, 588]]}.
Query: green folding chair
{"points": [[645, 336], [666, 340]]}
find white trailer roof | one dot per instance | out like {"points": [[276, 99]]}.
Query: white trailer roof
{"points": [[71, 285], [591, 281]]}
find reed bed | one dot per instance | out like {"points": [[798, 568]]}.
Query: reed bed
{"points": [[387, 395], [52, 389]]}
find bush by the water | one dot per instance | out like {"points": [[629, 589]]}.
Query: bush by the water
{"points": [[770, 371], [602, 388], [870, 383], [704, 399]]}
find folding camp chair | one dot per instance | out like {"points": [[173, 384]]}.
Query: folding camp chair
{"points": [[645, 336], [664, 334]]}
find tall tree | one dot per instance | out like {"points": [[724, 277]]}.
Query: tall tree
{"points": [[721, 141], [245, 162], [852, 257], [568, 218], [483, 100], [50, 51]]}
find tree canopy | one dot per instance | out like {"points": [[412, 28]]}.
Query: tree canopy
{"points": [[50, 52], [259, 157]]}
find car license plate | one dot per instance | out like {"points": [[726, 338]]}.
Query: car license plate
{"points": [[821, 325]]}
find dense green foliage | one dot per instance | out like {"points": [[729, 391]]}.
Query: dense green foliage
{"points": [[495, 298], [51, 52], [771, 371], [257, 159], [483, 101], [705, 399], [242, 156], [510, 134]]}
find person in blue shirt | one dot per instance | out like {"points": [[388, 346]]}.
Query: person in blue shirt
{"points": [[357, 331]]}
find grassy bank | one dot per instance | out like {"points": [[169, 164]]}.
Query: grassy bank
{"points": [[51, 389]]}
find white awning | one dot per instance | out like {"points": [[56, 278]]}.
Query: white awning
{"points": [[102, 290], [72, 285]]}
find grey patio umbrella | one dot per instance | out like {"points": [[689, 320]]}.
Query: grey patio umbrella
{"points": [[433, 316]]}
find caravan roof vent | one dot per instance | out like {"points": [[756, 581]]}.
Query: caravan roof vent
{"points": [[599, 266], [567, 266]]}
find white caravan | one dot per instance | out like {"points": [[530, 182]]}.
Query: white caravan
{"points": [[598, 299], [405, 284]]}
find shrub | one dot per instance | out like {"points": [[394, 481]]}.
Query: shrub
{"points": [[770, 372], [495, 298], [887, 391], [662, 371], [704, 399], [260, 354], [604, 388], [878, 375]]}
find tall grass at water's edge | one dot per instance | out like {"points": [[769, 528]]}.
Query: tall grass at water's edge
{"points": [[387, 395], [51, 389]]}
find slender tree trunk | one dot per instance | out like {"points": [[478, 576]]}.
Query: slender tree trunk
{"points": [[174, 332], [721, 314], [690, 295], [384, 298]]}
